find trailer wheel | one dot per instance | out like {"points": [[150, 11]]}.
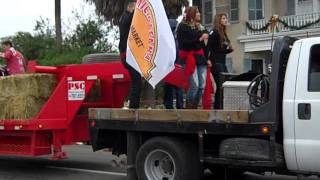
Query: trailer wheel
{"points": [[164, 158]]}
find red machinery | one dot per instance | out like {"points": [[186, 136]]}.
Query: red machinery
{"points": [[60, 121], [63, 119]]}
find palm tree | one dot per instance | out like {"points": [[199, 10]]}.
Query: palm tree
{"points": [[57, 6], [111, 10]]}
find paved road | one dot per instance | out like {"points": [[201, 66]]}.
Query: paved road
{"points": [[82, 164]]}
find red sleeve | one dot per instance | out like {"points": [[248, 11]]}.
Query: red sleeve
{"points": [[8, 54]]}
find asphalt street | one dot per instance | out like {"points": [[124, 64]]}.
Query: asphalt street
{"points": [[82, 164]]}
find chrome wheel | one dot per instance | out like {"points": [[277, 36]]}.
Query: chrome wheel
{"points": [[159, 165]]}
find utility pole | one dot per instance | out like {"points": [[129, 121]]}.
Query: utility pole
{"points": [[57, 6]]}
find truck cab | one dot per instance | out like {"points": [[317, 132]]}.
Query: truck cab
{"points": [[301, 105]]}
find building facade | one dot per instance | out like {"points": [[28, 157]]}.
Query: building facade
{"points": [[249, 32]]}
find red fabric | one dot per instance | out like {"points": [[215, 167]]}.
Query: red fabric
{"points": [[208, 91], [177, 77], [188, 57], [15, 61]]}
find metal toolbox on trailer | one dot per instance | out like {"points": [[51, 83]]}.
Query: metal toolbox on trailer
{"points": [[235, 95]]}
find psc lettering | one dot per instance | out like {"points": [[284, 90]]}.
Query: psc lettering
{"points": [[76, 85]]}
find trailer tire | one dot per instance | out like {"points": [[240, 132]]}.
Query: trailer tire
{"points": [[249, 149], [163, 158], [100, 58]]}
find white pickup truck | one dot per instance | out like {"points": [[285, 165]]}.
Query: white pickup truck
{"points": [[280, 134]]}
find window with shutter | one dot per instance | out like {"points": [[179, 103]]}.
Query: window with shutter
{"points": [[255, 8], [207, 12], [291, 7], [234, 10]]}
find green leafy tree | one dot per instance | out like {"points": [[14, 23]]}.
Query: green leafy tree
{"points": [[90, 35], [111, 10], [86, 34], [34, 46]]}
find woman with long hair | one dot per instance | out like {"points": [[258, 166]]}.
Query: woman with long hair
{"points": [[190, 40], [218, 47]]}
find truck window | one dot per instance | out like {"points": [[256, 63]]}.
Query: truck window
{"points": [[314, 69]]}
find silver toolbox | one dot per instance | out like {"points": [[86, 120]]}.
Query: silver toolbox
{"points": [[235, 95]]}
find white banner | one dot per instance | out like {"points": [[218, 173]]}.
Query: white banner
{"points": [[151, 45]]}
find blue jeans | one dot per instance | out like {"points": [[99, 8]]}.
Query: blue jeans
{"points": [[197, 82]]}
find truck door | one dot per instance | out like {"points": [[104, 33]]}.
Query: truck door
{"points": [[307, 107]]}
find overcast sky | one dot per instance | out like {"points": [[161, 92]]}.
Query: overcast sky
{"points": [[21, 15]]}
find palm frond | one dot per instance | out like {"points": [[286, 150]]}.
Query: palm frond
{"points": [[111, 10]]}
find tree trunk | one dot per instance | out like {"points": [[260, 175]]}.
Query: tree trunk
{"points": [[58, 23]]}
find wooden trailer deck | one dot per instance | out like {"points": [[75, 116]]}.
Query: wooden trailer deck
{"points": [[174, 115], [190, 121]]}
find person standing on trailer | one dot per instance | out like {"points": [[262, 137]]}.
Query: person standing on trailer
{"points": [[124, 27], [209, 84], [169, 89], [191, 51], [218, 47]]}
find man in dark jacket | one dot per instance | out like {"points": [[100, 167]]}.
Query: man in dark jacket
{"points": [[169, 89], [124, 27], [136, 80]]}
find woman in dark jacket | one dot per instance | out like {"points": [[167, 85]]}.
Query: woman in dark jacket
{"points": [[191, 40], [218, 47]]}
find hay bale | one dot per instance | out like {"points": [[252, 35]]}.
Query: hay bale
{"points": [[22, 96]]}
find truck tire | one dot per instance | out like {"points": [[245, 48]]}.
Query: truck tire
{"points": [[100, 58], [249, 149], [165, 158]]}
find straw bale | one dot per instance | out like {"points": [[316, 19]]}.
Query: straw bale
{"points": [[22, 96]]}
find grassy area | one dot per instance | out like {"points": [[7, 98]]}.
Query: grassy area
{"points": [[55, 57]]}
